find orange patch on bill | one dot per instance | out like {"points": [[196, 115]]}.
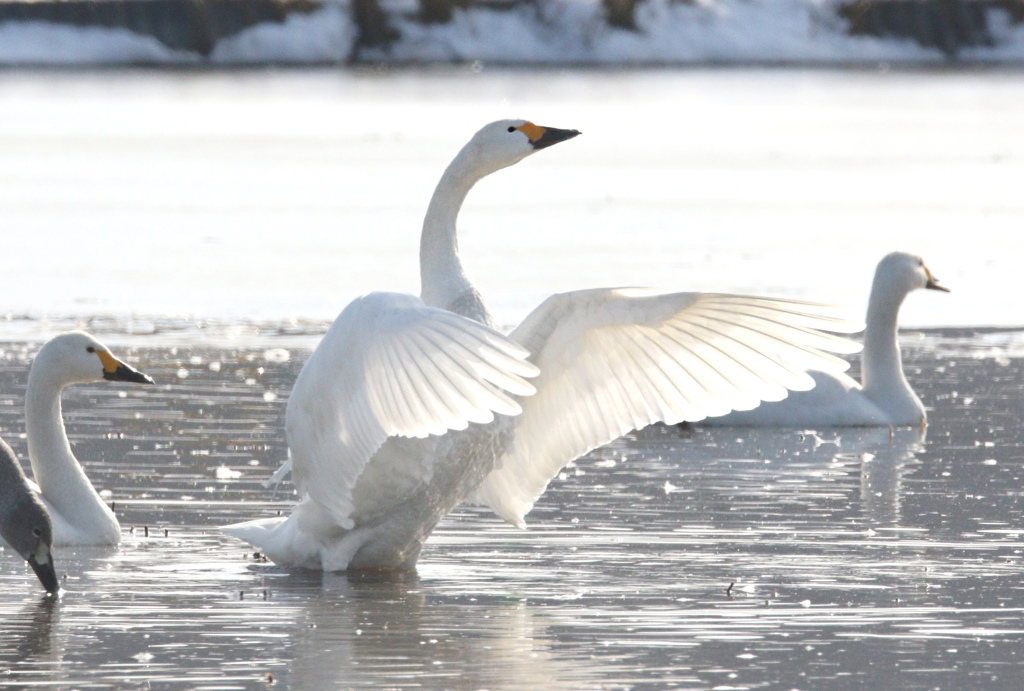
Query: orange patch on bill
{"points": [[110, 363], [533, 132]]}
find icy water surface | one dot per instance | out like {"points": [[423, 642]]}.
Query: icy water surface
{"points": [[685, 558], [274, 194]]}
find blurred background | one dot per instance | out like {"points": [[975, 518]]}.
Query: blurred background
{"points": [[264, 161], [554, 32]]}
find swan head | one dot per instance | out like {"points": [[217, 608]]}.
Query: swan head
{"points": [[506, 142], [33, 540], [25, 524], [76, 357], [901, 272]]}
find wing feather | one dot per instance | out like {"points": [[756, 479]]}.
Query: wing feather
{"points": [[390, 366], [437, 390], [421, 395], [771, 374], [491, 364], [398, 381], [614, 360]]}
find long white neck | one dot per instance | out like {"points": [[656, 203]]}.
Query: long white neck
{"points": [[60, 477], [882, 367], [443, 281]]}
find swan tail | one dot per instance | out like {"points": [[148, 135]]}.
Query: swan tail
{"points": [[259, 533], [308, 538], [280, 539]]}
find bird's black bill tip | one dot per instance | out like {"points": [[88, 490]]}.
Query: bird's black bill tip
{"points": [[933, 284], [553, 135], [46, 574], [128, 374]]}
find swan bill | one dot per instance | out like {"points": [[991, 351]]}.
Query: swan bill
{"points": [[44, 570], [129, 374], [932, 282], [115, 370], [543, 137]]}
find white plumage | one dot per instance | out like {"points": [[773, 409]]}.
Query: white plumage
{"points": [[372, 485], [613, 361], [884, 397], [79, 514], [407, 371], [389, 369]]}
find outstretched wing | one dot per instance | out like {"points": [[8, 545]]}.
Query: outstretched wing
{"points": [[615, 360], [391, 366]]}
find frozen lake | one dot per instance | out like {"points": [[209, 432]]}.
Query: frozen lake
{"points": [[210, 225], [277, 195]]}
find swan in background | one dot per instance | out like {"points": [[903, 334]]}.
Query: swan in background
{"points": [[884, 396], [24, 522], [610, 361], [79, 514]]}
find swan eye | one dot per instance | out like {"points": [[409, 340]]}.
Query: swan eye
{"points": [[91, 349], [37, 532], [511, 129]]}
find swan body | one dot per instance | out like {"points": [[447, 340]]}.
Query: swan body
{"points": [[610, 360], [884, 397], [79, 514], [367, 425], [24, 521]]}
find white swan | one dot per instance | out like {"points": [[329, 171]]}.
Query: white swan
{"points": [[79, 514], [885, 396], [611, 360], [390, 371], [24, 522]]}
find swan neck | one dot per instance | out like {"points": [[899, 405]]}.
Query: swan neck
{"points": [[443, 280], [882, 366], [58, 473]]}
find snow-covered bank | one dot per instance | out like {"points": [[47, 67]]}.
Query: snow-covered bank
{"points": [[668, 33], [543, 33], [324, 36]]}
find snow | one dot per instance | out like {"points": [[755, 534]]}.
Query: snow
{"points": [[669, 32], [327, 35], [1009, 41], [552, 32], [39, 43]]}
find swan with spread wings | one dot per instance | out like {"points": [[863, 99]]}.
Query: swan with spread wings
{"points": [[410, 406]]}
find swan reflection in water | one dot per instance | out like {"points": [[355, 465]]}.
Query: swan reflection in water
{"points": [[358, 629], [782, 464], [883, 466], [28, 635]]}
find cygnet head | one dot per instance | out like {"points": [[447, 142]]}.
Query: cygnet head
{"points": [[506, 142], [24, 522], [901, 272], [76, 357]]}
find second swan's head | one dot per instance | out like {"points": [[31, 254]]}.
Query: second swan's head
{"points": [[902, 272], [24, 522], [506, 142], [76, 357]]}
